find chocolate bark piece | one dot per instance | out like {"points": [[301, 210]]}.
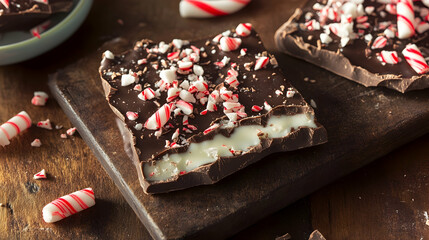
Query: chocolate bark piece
{"points": [[145, 80], [358, 61], [24, 14]]}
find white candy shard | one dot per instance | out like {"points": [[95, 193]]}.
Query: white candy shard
{"points": [[68, 205], [36, 143], [127, 80], [168, 75], [109, 55]]}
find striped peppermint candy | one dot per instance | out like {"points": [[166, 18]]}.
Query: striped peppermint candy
{"points": [[45, 124], [132, 115], [415, 59], [68, 205], [40, 175], [5, 3], [186, 107], [405, 15], [71, 131], [390, 57], [232, 81], [173, 93], [173, 55], [379, 42], [159, 118], [228, 44], [39, 99], [210, 8], [261, 62], [147, 94], [211, 128], [243, 29], [256, 108], [39, 29]]}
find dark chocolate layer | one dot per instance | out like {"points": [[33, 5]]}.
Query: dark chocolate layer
{"points": [[255, 88], [356, 61]]}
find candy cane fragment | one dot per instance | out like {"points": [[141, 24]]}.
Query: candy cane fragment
{"points": [[13, 127], [415, 59], [210, 8], [405, 15], [68, 205]]}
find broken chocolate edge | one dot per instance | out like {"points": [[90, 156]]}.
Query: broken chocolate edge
{"points": [[339, 64]]}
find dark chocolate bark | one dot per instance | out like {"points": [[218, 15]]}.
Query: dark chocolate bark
{"points": [[255, 88], [357, 60], [24, 14]]}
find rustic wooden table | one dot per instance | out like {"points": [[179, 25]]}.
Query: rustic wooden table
{"points": [[385, 200]]}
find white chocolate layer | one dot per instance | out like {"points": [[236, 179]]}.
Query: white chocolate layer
{"points": [[244, 138]]}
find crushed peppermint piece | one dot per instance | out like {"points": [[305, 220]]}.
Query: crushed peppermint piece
{"points": [[244, 29], [71, 131], [36, 143], [132, 115], [45, 124], [63, 135], [261, 62], [228, 44], [267, 106], [40, 175], [39, 98]]}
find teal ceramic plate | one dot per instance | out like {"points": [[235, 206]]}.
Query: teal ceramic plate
{"points": [[19, 46]]}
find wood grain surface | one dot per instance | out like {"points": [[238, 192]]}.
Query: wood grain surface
{"points": [[385, 200]]}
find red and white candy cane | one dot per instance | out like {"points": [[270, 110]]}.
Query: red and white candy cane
{"points": [[261, 63], [415, 58], [210, 8], [5, 3], [159, 118], [228, 44], [13, 127], [379, 42], [39, 29], [147, 94], [211, 129], [405, 14], [68, 205], [390, 57], [256, 108], [244, 29], [39, 99], [186, 107]]}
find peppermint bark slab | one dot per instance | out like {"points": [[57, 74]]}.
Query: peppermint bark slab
{"points": [[359, 41], [198, 112]]}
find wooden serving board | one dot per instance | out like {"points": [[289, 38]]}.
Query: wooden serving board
{"points": [[362, 123]]}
